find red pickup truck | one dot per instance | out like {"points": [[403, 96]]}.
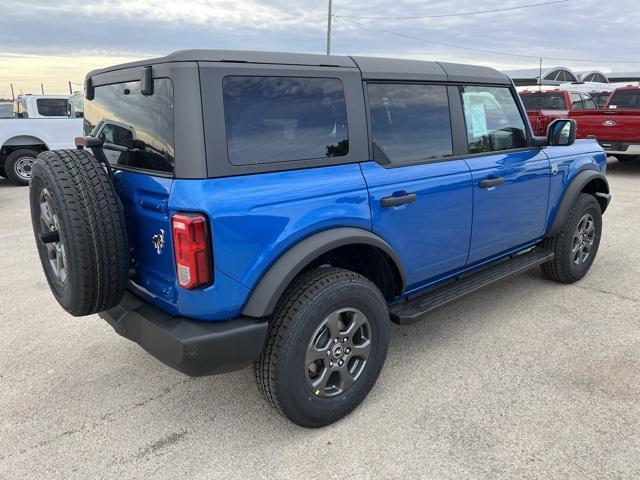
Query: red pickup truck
{"points": [[545, 106], [617, 126]]}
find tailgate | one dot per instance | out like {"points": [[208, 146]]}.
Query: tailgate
{"points": [[608, 125]]}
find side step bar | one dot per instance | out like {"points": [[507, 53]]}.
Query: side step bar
{"points": [[415, 308]]}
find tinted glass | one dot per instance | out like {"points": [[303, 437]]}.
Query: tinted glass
{"points": [[120, 114], [410, 123], [493, 120], [277, 119], [625, 99], [6, 110], [543, 101], [52, 107]]}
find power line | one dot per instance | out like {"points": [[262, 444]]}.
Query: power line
{"points": [[460, 14], [479, 50]]}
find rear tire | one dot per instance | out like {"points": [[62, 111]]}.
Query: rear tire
{"points": [[576, 245], [19, 164], [327, 343], [3, 174], [85, 258]]}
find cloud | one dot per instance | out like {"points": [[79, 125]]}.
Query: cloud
{"points": [[102, 31]]}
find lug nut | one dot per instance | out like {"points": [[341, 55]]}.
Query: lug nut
{"points": [[335, 340], [340, 362], [331, 364], [328, 352], [345, 340], [347, 350]]}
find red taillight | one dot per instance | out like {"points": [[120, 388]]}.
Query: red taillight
{"points": [[192, 250]]}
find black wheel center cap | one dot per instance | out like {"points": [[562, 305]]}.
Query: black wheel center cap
{"points": [[337, 351]]}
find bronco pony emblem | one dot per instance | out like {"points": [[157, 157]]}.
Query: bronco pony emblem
{"points": [[158, 241]]}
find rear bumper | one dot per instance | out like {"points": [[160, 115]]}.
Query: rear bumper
{"points": [[620, 148], [192, 347]]}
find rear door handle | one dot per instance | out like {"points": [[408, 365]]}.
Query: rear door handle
{"points": [[394, 201], [491, 182]]}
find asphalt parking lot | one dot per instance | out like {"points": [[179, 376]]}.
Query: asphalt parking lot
{"points": [[526, 379]]}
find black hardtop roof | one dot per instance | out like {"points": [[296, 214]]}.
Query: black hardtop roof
{"points": [[372, 68]]}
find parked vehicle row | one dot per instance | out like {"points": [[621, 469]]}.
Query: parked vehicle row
{"points": [[547, 105], [38, 123], [617, 126], [228, 208]]}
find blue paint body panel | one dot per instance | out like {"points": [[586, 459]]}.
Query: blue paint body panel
{"points": [[453, 226], [515, 212], [431, 235]]}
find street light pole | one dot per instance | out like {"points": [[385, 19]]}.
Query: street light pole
{"points": [[329, 18]]}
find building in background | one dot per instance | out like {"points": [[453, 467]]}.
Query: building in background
{"points": [[559, 75]]}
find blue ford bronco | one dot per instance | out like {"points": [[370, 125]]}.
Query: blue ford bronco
{"points": [[231, 208]]}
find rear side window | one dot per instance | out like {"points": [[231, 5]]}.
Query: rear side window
{"points": [[410, 123], [143, 124], [493, 120], [52, 107], [279, 119], [588, 102], [576, 101]]}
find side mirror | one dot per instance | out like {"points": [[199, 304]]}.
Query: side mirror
{"points": [[561, 132]]}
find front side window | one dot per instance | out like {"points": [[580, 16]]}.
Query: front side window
{"points": [[52, 107], [278, 119], [493, 120], [121, 115], [410, 123]]}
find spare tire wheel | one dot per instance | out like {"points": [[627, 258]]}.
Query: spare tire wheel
{"points": [[79, 227]]}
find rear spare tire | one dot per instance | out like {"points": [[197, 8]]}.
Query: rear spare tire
{"points": [[79, 227]]}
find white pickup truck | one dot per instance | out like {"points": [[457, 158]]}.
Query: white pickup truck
{"points": [[41, 122]]}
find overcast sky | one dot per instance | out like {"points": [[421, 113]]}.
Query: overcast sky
{"points": [[53, 42]]}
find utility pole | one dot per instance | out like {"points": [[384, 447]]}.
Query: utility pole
{"points": [[42, 88], [13, 95], [540, 77], [70, 89], [329, 18]]}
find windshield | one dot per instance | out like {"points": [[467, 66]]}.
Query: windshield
{"points": [[544, 101], [625, 99], [6, 110], [52, 107]]}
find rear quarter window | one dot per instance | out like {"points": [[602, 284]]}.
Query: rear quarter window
{"points": [[279, 119], [52, 107], [144, 124], [625, 99]]}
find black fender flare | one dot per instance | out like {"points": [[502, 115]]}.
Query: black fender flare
{"points": [[272, 285], [572, 191]]}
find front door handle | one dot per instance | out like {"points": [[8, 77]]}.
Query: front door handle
{"points": [[491, 182], [395, 201]]}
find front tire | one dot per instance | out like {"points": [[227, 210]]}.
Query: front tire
{"points": [[327, 343], [576, 245], [18, 166]]}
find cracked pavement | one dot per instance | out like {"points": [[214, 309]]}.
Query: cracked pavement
{"points": [[526, 379]]}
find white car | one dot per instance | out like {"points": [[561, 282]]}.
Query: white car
{"points": [[41, 122]]}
